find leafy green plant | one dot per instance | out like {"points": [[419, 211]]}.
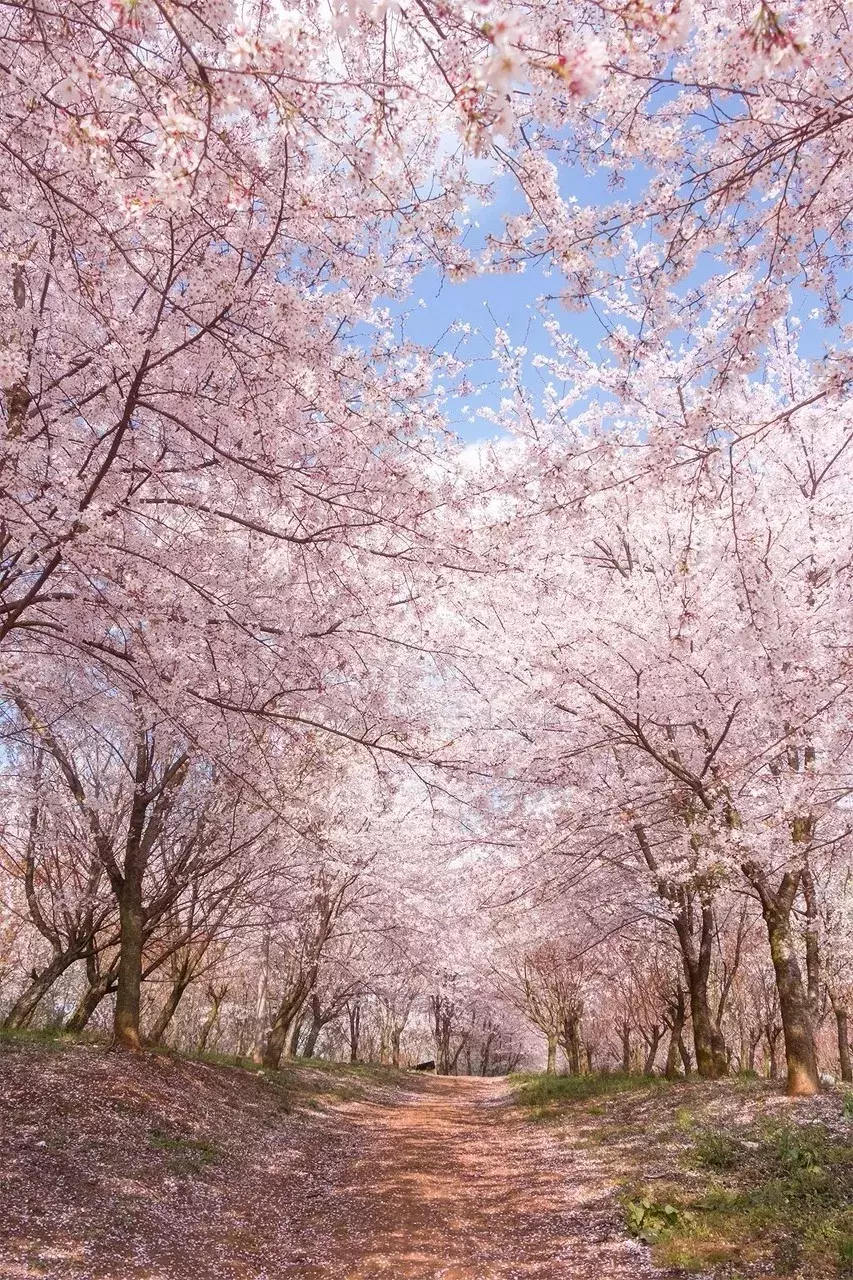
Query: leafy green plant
{"points": [[650, 1221], [796, 1150]]}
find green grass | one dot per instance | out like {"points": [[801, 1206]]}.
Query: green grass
{"points": [[548, 1096], [309, 1082], [717, 1150], [784, 1196], [189, 1154], [713, 1192], [53, 1036], [371, 1073]]}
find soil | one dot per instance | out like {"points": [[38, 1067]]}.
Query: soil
{"points": [[453, 1184], [141, 1167]]}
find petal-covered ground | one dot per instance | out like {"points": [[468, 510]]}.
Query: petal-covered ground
{"points": [[117, 1167], [453, 1184]]}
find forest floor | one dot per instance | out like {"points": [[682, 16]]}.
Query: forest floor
{"points": [[151, 1167], [154, 1167], [730, 1180]]}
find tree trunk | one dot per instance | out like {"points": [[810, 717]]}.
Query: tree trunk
{"points": [[800, 1054], [710, 1058], [574, 1048], [354, 1016], [685, 1058], [841, 1021], [773, 1059], [293, 1043], [551, 1064], [210, 1020], [128, 991], [653, 1041], [169, 1008], [262, 1005], [396, 1036], [711, 1061], [812, 939], [776, 907], [315, 1028], [278, 1033], [678, 1016], [625, 1037], [100, 986], [311, 1040], [275, 1042], [753, 1042], [22, 1011]]}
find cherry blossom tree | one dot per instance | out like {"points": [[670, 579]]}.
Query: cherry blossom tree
{"points": [[662, 754]]}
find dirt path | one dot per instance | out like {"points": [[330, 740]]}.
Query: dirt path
{"points": [[453, 1185], [140, 1167]]}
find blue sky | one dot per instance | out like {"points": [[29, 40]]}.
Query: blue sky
{"points": [[508, 300], [511, 300]]}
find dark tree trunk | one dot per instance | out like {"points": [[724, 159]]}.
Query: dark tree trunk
{"points": [[100, 986], [678, 1014], [841, 1021], [262, 1004], [129, 987], [686, 1060], [170, 1007], [574, 1049], [293, 1046], [216, 998], [753, 1042], [354, 1018], [315, 1028], [707, 1041], [282, 1023], [812, 939], [551, 1063], [275, 1042], [22, 1011], [625, 1037], [773, 1059], [711, 1058], [653, 1039], [311, 1040]]}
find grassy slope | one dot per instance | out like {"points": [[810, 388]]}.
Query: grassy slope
{"points": [[304, 1079], [156, 1167], [728, 1179]]}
